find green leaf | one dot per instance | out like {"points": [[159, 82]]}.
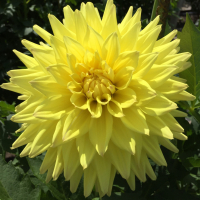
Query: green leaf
{"points": [[35, 164], [14, 186], [194, 162], [100, 6], [167, 28], [190, 42], [6, 109]]}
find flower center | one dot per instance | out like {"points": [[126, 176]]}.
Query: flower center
{"points": [[97, 83]]}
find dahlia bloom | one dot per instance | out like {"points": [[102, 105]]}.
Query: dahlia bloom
{"points": [[99, 97]]}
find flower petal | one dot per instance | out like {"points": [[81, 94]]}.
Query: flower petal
{"points": [[159, 74], [94, 108], [145, 63], [103, 169], [80, 25], [111, 49], [59, 164], [125, 97], [152, 149], [159, 106], [42, 33], [128, 40], [43, 139], [61, 73], [69, 20], [121, 159], [110, 25], [78, 127], [158, 127], [70, 158], [122, 137], [74, 48], [114, 108], [135, 120], [125, 59], [86, 150], [100, 131], [92, 17], [54, 107], [123, 77], [79, 100], [59, 29]]}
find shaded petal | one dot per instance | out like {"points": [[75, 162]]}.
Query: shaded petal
{"points": [[94, 107], [122, 136], [89, 179], [178, 113], [135, 120], [144, 92], [49, 160], [114, 108], [152, 149], [100, 131], [159, 106], [78, 127], [121, 159], [61, 73], [70, 158], [79, 100], [125, 97], [43, 139], [123, 77], [167, 144], [158, 127], [171, 122], [54, 107], [112, 176], [45, 84], [75, 179], [103, 169], [27, 136], [59, 164], [86, 150]]}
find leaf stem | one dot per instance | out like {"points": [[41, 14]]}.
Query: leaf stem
{"points": [[191, 110], [194, 113], [153, 14]]}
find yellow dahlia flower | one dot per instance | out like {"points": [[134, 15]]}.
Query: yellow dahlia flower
{"points": [[99, 97]]}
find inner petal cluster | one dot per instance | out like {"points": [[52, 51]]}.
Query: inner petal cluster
{"points": [[95, 84]]}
